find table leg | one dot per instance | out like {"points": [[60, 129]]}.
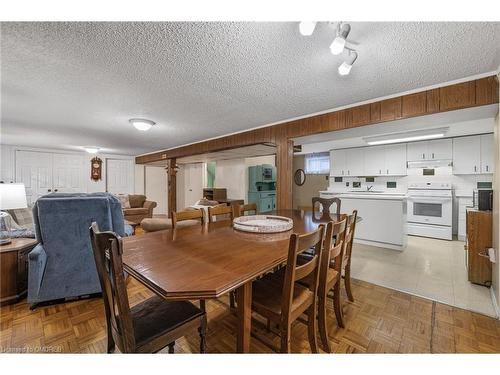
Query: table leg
{"points": [[244, 308]]}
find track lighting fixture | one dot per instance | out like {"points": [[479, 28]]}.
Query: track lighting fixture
{"points": [[306, 28], [345, 67], [338, 43]]}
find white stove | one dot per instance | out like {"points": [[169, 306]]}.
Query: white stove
{"points": [[430, 209]]}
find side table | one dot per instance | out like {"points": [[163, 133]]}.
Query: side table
{"points": [[14, 269]]}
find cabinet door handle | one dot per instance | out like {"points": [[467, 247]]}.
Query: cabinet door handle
{"points": [[486, 168], [423, 156], [475, 168], [55, 189], [342, 172], [49, 190], [387, 171], [380, 171], [433, 155]]}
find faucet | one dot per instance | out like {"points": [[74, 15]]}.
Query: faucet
{"points": [[368, 188]]}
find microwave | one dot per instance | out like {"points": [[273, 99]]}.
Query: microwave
{"points": [[483, 199]]}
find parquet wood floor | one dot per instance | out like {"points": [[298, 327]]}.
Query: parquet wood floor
{"points": [[380, 320]]}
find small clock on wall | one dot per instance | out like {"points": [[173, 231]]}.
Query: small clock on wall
{"points": [[299, 177], [96, 169]]}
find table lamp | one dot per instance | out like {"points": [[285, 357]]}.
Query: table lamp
{"points": [[12, 196]]}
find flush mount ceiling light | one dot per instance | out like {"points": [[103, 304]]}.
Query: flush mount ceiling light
{"points": [[418, 135], [142, 124], [338, 43], [345, 67], [306, 28], [91, 149]]}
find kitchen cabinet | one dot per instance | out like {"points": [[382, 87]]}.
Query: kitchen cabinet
{"points": [[473, 155], [430, 150], [487, 153], [354, 162], [479, 239], [337, 163], [395, 160], [463, 203], [374, 160]]}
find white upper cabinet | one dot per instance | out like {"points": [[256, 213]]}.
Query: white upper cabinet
{"points": [[416, 151], [487, 153], [354, 162], [337, 163], [441, 149], [430, 150], [374, 160], [395, 160], [467, 155]]}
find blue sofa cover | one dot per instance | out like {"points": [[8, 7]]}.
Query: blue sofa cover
{"points": [[62, 264]]}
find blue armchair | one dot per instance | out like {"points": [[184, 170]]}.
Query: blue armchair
{"points": [[62, 264]]}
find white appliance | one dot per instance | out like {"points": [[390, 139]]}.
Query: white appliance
{"points": [[430, 210]]}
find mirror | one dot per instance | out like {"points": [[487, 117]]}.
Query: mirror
{"points": [[299, 177]]}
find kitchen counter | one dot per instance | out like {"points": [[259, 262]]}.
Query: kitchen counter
{"points": [[391, 232]]}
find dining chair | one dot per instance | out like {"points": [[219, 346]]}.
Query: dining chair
{"points": [[346, 263], [282, 300], [187, 215], [326, 203], [148, 326], [247, 208], [221, 211]]}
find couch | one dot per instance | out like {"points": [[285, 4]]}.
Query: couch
{"points": [[140, 208], [62, 264]]}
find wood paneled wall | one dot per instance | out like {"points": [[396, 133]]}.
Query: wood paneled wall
{"points": [[462, 95]]}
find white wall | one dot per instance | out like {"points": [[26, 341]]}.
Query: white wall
{"points": [[233, 174], [156, 188], [8, 166]]}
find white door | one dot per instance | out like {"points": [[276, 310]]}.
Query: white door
{"points": [[487, 153], [467, 155], [395, 160], [193, 183], [416, 151], [337, 163], [440, 149], [374, 161], [34, 170], [354, 162], [120, 176], [156, 188], [69, 173]]}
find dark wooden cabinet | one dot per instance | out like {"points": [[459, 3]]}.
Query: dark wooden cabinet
{"points": [[215, 194], [358, 116], [390, 109], [487, 90], [414, 104], [14, 269], [461, 95], [479, 240]]}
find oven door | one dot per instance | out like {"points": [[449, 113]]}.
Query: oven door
{"points": [[430, 210]]}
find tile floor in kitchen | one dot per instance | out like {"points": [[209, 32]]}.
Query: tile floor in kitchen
{"points": [[428, 267]]}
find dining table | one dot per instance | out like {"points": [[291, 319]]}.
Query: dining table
{"points": [[202, 262]]}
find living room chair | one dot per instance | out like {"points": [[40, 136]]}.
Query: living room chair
{"points": [[282, 300], [148, 326], [140, 208]]}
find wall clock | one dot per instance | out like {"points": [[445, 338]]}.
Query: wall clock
{"points": [[96, 169], [299, 177]]}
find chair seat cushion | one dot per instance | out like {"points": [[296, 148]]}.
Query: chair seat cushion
{"points": [[135, 211], [267, 295], [156, 316]]}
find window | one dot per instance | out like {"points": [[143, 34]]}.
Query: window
{"points": [[317, 163]]}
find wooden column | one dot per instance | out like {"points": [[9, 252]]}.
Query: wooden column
{"points": [[172, 186], [284, 165]]}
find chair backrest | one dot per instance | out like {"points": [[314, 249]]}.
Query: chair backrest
{"points": [[187, 215], [326, 203], [248, 208], [349, 238], [297, 245], [220, 210], [333, 250], [108, 249]]}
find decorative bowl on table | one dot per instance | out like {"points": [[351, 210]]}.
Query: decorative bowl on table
{"points": [[263, 223]]}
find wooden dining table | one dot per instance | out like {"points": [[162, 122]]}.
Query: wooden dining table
{"points": [[203, 262]]}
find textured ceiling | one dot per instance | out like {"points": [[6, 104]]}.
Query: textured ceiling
{"points": [[68, 85]]}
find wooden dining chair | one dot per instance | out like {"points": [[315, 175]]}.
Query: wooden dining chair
{"points": [[148, 326], [282, 300], [187, 215], [346, 263], [247, 208], [221, 211], [326, 203]]}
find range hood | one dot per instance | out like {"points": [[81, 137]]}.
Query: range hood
{"points": [[430, 163]]}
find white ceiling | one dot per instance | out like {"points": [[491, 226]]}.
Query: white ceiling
{"points": [[68, 85], [477, 120]]}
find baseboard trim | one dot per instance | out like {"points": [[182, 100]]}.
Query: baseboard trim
{"points": [[495, 302]]}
